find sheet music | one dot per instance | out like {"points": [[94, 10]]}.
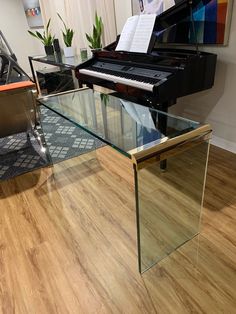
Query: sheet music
{"points": [[143, 33], [140, 114], [127, 33], [136, 34]]}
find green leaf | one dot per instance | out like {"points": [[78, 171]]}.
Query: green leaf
{"points": [[89, 38], [47, 27], [33, 34], [95, 38], [95, 33], [46, 38], [62, 21], [96, 20], [70, 37], [39, 35], [67, 34]]}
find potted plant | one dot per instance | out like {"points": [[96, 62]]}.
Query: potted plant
{"points": [[95, 39], [46, 38], [68, 35]]}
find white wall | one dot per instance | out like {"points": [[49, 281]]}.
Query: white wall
{"points": [[14, 26], [218, 105], [123, 10]]}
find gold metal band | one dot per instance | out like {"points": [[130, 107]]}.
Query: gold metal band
{"points": [[160, 151]]}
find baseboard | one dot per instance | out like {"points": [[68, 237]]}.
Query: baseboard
{"points": [[223, 143]]}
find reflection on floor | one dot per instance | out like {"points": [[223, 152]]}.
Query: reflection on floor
{"points": [[68, 245]]}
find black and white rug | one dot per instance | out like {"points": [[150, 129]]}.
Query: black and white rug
{"points": [[64, 140]]}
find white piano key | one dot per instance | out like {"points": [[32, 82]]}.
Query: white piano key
{"points": [[117, 79]]}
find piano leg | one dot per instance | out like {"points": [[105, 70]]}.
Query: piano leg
{"points": [[163, 128], [160, 121], [81, 84], [90, 85], [162, 124]]}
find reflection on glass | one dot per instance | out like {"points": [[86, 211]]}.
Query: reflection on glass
{"points": [[121, 124], [60, 59], [83, 54], [170, 202]]}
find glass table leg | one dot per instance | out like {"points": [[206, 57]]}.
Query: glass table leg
{"points": [[169, 203]]}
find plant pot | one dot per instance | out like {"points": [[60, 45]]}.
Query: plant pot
{"points": [[94, 50], [49, 50], [69, 52]]}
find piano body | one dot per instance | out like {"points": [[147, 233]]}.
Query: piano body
{"points": [[158, 78]]}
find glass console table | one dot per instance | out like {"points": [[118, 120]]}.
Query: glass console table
{"points": [[59, 63], [169, 156]]}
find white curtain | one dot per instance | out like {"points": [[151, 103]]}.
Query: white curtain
{"points": [[79, 15]]}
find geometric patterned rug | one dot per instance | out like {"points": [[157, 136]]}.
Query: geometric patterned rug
{"points": [[64, 140]]}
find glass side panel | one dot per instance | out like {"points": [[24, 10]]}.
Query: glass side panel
{"points": [[169, 202], [119, 123]]}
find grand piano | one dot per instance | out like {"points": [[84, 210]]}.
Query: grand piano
{"points": [[157, 78]]}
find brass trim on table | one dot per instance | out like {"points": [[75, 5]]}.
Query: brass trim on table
{"points": [[157, 152], [148, 145]]}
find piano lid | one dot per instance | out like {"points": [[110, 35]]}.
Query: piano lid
{"points": [[178, 23], [178, 12]]}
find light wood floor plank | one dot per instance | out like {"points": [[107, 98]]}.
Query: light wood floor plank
{"points": [[68, 244]]}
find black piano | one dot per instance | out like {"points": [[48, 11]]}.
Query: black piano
{"points": [[166, 72]]}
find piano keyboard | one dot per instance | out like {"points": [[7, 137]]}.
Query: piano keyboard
{"points": [[135, 81], [119, 79]]}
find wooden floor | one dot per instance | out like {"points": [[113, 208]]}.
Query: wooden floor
{"points": [[68, 245]]}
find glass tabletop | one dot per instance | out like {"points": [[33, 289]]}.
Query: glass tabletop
{"points": [[59, 59], [124, 125]]}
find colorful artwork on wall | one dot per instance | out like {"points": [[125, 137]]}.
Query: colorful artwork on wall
{"points": [[33, 13], [211, 18]]}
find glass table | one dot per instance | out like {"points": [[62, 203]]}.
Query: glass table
{"points": [[57, 60], [169, 157]]}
